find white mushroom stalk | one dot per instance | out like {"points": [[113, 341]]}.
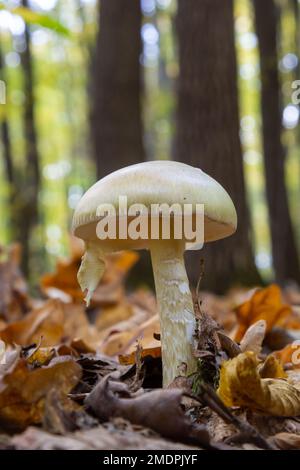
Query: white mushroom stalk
{"points": [[175, 304]]}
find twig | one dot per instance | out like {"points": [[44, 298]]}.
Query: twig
{"points": [[201, 274], [247, 433]]}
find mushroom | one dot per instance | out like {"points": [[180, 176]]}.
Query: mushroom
{"points": [[148, 185]]}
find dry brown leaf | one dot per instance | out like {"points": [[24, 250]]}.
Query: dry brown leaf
{"points": [[51, 324], [118, 265], [293, 321], [287, 441], [23, 390], [159, 410], [46, 322], [110, 316], [76, 324], [271, 368], [293, 376], [124, 342], [290, 354], [254, 337], [127, 314], [127, 359], [63, 282], [279, 337], [81, 347], [241, 385], [40, 356], [265, 304]]}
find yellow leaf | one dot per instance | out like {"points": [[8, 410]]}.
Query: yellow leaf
{"points": [[271, 368], [41, 356], [242, 385]]}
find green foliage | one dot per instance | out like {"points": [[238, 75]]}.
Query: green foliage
{"points": [[39, 19]]}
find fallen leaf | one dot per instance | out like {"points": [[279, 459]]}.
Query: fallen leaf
{"points": [[271, 368], [127, 315], [241, 385], [118, 265], [294, 377], [76, 324], [63, 283], [23, 390], [287, 441], [228, 345], [111, 316], [159, 410], [60, 413], [46, 322], [51, 324], [81, 347], [293, 321], [127, 359], [40, 356], [254, 337], [265, 304], [290, 354], [124, 342], [279, 337]]}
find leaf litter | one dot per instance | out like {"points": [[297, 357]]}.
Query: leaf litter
{"points": [[90, 378]]}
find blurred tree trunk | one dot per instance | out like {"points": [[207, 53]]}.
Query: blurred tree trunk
{"points": [[285, 256], [207, 134], [28, 188], [296, 10], [117, 131], [7, 152]]}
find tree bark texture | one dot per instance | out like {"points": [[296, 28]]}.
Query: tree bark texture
{"points": [[284, 250], [207, 132], [117, 130]]}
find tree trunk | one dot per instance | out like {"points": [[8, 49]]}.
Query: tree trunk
{"points": [[29, 187], [5, 136], [285, 256], [7, 158], [296, 10], [117, 134], [207, 134]]}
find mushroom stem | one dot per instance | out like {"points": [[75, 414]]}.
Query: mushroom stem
{"points": [[175, 306]]}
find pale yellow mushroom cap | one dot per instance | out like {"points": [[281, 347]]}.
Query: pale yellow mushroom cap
{"points": [[157, 182]]}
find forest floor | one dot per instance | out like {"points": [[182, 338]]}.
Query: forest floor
{"points": [[72, 378]]}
